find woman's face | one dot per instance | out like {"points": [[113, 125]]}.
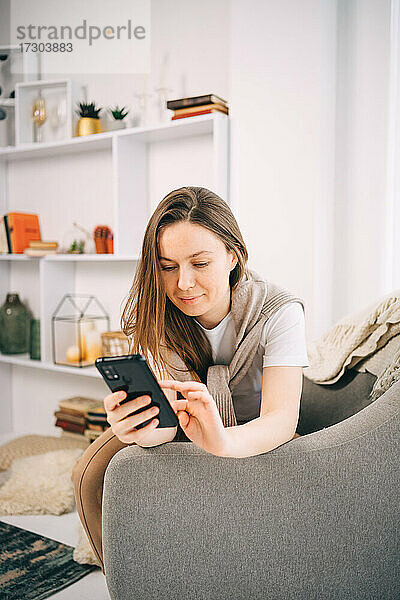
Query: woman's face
{"points": [[195, 267]]}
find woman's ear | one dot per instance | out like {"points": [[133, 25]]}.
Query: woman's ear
{"points": [[234, 260]]}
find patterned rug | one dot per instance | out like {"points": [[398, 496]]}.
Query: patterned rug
{"points": [[34, 567]]}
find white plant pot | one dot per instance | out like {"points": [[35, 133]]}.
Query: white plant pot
{"points": [[117, 124]]}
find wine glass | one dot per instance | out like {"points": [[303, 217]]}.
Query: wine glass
{"points": [[39, 116]]}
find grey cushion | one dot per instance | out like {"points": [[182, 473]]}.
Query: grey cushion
{"points": [[314, 518]]}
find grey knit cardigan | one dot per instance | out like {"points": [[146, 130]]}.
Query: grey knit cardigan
{"points": [[254, 301]]}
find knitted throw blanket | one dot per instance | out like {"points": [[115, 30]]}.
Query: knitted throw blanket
{"points": [[253, 302], [354, 338]]}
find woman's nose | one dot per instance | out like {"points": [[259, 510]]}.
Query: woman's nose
{"points": [[185, 280]]}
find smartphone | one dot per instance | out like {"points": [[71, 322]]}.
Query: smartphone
{"points": [[132, 374]]}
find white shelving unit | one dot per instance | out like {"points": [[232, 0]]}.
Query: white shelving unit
{"points": [[56, 275]]}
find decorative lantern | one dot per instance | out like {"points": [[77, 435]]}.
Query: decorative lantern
{"points": [[77, 325]]}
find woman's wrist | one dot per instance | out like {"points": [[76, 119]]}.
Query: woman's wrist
{"points": [[159, 436]]}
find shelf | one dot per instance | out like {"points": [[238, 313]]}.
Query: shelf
{"points": [[17, 257], [199, 125], [23, 360], [10, 102], [89, 258], [71, 258]]}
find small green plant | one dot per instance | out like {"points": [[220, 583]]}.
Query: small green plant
{"points": [[88, 110], [77, 247], [118, 113]]}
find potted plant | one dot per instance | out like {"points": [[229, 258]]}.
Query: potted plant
{"points": [[118, 118], [89, 121]]}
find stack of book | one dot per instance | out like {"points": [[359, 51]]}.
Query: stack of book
{"points": [[96, 422], [198, 105], [80, 416], [41, 248]]}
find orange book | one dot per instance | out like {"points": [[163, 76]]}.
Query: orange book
{"points": [[23, 228]]}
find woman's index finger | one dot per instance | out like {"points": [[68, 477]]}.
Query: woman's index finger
{"points": [[111, 401], [181, 386]]}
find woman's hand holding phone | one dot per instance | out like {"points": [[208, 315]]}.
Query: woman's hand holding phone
{"points": [[123, 425]]}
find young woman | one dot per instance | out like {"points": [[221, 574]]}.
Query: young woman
{"points": [[229, 342]]}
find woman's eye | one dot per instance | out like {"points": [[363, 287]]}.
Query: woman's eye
{"points": [[200, 265]]}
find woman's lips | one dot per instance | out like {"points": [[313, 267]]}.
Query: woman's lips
{"points": [[190, 300]]}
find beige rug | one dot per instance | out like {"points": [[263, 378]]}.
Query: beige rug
{"points": [[40, 485], [29, 445], [83, 552]]}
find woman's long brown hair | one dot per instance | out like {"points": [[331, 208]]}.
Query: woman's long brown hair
{"points": [[149, 318]]}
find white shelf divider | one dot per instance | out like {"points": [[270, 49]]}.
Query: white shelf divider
{"points": [[54, 283], [131, 209], [221, 156]]}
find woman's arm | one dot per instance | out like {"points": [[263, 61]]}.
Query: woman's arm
{"points": [[279, 415], [201, 422]]}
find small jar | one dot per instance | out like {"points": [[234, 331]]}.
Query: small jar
{"points": [[34, 348]]}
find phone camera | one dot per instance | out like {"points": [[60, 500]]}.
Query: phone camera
{"points": [[110, 373]]}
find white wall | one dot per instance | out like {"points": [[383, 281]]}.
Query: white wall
{"points": [[282, 81], [309, 99], [361, 153]]}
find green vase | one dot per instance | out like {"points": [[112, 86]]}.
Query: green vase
{"points": [[15, 323]]}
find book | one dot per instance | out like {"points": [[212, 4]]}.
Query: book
{"points": [[79, 405], [70, 426], [195, 101], [97, 414], [96, 421], [34, 252], [94, 427], [23, 227], [43, 244], [195, 114], [4, 249], [192, 109], [7, 233], [80, 419]]}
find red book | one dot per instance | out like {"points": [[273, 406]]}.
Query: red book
{"points": [[194, 114], [70, 426], [23, 228]]}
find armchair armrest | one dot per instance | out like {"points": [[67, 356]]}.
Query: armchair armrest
{"points": [[315, 518]]}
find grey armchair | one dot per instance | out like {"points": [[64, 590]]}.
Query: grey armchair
{"points": [[316, 518]]}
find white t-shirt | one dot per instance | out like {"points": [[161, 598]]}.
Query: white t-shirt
{"points": [[282, 344]]}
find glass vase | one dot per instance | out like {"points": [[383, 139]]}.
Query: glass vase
{"points": [[15, 322]]}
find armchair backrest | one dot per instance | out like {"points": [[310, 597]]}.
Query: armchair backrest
{"points": [[325, 405]]}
